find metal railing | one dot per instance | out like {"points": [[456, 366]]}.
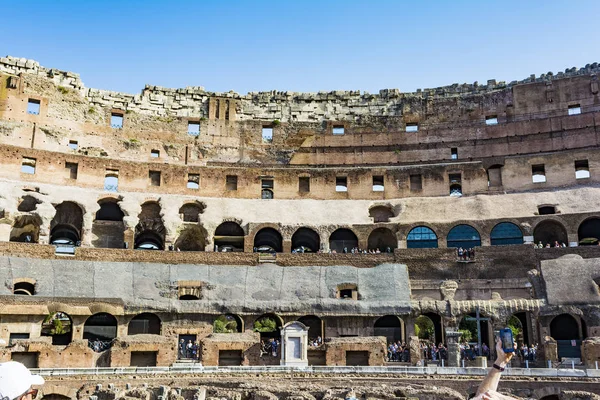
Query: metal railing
{"points": [[365, 370]]}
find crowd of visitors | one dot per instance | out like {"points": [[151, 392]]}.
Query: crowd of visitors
{"points": [[541, 245], [468, 352], [398, 352], [432, 352], [189, 350], [269, 347], [315, 342], [99, 345], [465, 254]]}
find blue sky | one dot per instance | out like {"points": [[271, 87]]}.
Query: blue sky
{"points": [[301, 45]]}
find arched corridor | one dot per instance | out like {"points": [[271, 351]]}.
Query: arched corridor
{"points": [[421, 237], [549, 232], [306, 239], [108, 228], [506, 233], [314, 324], [382, 239], [566, 330], [229, 236], [464, 236], [588, 233], [59, 326], [342, 239], [150, 231], [390, 326], [268, 240], [268, 325], [66, 225], [145, 323]]}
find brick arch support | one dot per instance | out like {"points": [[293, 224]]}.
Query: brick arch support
{"points": [[62, 390], [253, 229]]}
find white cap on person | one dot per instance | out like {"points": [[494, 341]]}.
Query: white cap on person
{"points": [[16, 379]]}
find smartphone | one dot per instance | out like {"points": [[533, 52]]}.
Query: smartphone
{"points": [[508, 344]]}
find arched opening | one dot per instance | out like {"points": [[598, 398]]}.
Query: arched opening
{"points": [[468, 327], [550, 397], [26, 229], [228, 323], [266, 194], [59, 326], [191, 238], [382, 239], [421, 237], [229, 236], [389, 326], [189, 297], [588, 232], [190, 212], [268, 240], [381, 213], [150, 231], [342, 240], [550, 232], [506, 233], [100, 329], [428, 327], [268, 325], [56, 396], [315, 327], [519, 325], [464, 236], [24, 288], [145, 323], [108, 228], [306, 240], [65, 228], [566, 331]]}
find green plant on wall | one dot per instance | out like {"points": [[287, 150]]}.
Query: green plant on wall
{"points": [[466, 335], [514, 324], [53, 324], [276, 122], [223, 324], [264, 325], [424, 328]]}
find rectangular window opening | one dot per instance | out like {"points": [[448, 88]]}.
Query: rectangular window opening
{"points": [[582, 169], [304, 184], [194, 128], [378, 183], [455, 184], [72, 168], [154, 153], [491, 120], [538, 173], [73, 145], [266, 188], [341, 184], [412, 127], [267, 134], [574, 109], [28, 165], [33, 107], [111, 180], [17, 336], [193, 181], [416, 182], [154, 177], [231, 182], [116, 120], [338, 130], [454, 153]]}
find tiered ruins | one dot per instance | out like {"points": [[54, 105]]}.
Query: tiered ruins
{"points": [[131, 222]]}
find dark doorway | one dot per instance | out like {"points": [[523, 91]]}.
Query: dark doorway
{"points": [[143, 358], [146, 323], [230, 358], [343, 239], [268, 240], [549, 232], [357, 358], [229, 236], [305, 240], [382, 239], [565, 330], [588, 233], [390, 327], [314, 324]]}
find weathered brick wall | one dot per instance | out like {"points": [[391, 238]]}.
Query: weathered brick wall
{"points": [[336, 349]]}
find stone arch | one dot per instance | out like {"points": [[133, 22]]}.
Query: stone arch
{"points": [[390, 326], [150, 231], [145, 323], [101, 326], [437, 335], [343, 239], [506, 233], [486, 329], [306, 238], [108, 227], [24, 286], [314, 325], [550, 231], [190, 212], [566, 328], [588, 232], [67, 223], [230, 322], [191, 238], [381, 213], [56, 392], [26, 229], [229, 236], [463, 235], [59, 326], [522, 320], [274, 334], [383, 239], [267, 240], [421, 237]]}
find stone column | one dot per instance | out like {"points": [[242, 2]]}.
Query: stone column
{"points": [[287, 246], [416, 355], [453, 340]]}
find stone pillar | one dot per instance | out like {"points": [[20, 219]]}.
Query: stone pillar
{"points": [[287, 246], [5, 232], [416, 355], [550, 350], [453, 340]]}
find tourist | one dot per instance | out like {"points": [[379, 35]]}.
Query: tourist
{"points": [[16, 382], [181, 348], [487, 388], [188, 349]]}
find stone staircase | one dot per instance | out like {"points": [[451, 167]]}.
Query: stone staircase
{"points": [[267, 258]]}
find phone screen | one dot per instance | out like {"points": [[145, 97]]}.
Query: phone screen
{"points": [[507, 340]]}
